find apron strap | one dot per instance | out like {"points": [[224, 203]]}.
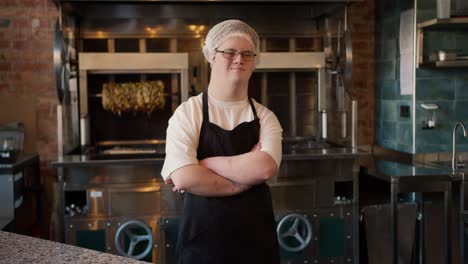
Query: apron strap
{"points": [[206, 117], [253, 108]]}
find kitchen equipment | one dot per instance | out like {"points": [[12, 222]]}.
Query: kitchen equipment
{"points": [[443, 55], [11, 141], [443, 8]]}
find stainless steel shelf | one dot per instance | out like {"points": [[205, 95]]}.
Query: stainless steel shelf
{"points": [[439, 24], [444, 23], [445, 64]]}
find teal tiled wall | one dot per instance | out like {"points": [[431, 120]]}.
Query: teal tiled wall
{"points": [[446, 87], [392, 131]]}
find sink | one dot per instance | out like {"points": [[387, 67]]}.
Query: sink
{"points": [[447, 164]]}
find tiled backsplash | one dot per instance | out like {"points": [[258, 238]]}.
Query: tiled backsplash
{"points": [[392, 130], [446, 87]]}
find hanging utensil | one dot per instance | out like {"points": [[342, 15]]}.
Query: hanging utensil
{"points": [[58, 61], [348, 70]]}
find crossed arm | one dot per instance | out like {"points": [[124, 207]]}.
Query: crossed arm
{"points": [[225, 176]]}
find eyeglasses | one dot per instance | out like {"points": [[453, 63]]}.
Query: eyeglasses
{"points": [[231, 54]]}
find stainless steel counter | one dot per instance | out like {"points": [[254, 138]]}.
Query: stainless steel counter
{"points": [[299, 154]]}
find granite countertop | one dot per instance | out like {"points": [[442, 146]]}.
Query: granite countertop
{"points": [[325, 153], [16, 248]]}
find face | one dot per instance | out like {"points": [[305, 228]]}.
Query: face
{"points": [[234, 70]]}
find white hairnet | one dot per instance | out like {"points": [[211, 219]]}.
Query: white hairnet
{"points": [[227, 29]]}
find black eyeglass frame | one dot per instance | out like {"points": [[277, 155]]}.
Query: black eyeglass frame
{"points": [[230, 52]]}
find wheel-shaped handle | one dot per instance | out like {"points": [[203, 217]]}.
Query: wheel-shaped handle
{"points": [[126, 230], [294, 232]]}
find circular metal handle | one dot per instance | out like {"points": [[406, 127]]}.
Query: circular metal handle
{"points": [[294, 232], [126, 230]]}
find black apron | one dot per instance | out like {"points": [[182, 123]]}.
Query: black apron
{"points": [[238, 229]]}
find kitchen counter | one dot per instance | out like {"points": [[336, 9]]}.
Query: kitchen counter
{"points": [[16, 248], [297, 154], [19, 192], [324, 153], [23, 160], [418, 178], [392, 171], [69, 161]]}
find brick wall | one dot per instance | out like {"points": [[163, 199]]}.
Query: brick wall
{"points": [[361, 21], [27, 82]]}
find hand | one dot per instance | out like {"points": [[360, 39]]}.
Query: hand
{"points": [[241, 187], [174, 189], [256, 147]]}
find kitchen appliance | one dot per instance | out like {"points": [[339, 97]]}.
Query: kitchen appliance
{"points": [[11, 140]]}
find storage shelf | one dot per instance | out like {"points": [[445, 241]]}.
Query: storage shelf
{"points": [[459, 23], [445, 64], [445, 23]]}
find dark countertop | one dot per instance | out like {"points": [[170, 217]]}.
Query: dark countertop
{"points": [[22, 160], [16, 248], [395, 172], [299, 154], [85, 161], [325, 153]]}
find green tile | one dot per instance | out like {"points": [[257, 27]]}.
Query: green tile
{"points": [[461, 40], [389, 110], [431, 148], [437, 40], [426, 5], [461, 111], [388, 89], [461, 89], [406, 5], [389, 131], [436, 136], [385, 70], [425, 14], [462, 148], [389, 144], [390, 48], [405, 133], [377, 108], [385, 8], [435, 89], [424, 73], [404, 148]]}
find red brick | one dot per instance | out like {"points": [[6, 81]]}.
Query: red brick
{"points": [[4, 44], [368, 36], [21, 22], [31, 3], [22, 44], [5, 66], [8, 3], [30, 66], [359, 44]]}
